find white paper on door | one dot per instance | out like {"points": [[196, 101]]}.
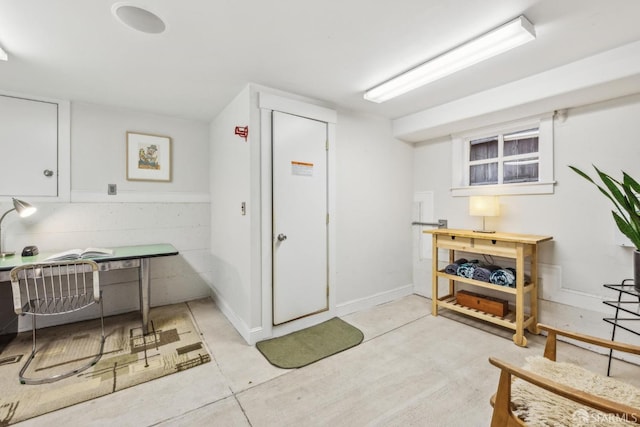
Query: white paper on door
{"points": [[301, 168]]}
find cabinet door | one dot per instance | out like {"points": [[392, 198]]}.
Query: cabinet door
{"points": [[29, 147]]}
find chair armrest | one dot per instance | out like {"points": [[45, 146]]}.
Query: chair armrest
{"points": [[551, 343], [503, 416]]}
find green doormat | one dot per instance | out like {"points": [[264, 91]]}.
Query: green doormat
{"points": [[309, 345]]}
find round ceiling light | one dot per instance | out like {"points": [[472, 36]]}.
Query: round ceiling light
{"points": [[137, 18]]}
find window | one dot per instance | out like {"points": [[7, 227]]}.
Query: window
{"points": [[483, 161], [504, 159], [515, 158]]}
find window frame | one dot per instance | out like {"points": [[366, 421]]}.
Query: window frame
{"points": [[461, 162]]}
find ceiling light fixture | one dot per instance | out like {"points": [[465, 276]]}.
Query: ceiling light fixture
{"points": [[495, 42], [137, 18]]}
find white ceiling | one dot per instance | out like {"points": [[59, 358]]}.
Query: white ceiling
{"points": [[331, 50]]}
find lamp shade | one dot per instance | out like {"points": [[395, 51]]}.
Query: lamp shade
{"points": [[23, 208], [484, 206]]}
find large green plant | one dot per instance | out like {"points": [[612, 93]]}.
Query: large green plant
{"points": [[624, 196]]}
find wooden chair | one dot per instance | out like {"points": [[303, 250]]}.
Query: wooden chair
{"points": [[502, 401], [52, 289]]}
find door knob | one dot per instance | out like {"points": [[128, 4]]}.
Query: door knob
{"points": [[282, 237], [47, 172]]}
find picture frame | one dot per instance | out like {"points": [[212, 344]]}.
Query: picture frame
{"points": [[148, 157]]}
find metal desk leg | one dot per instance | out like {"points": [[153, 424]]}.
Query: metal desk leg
{"points": [[145, 288]]}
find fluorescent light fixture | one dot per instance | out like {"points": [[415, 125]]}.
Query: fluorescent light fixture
{"points": [[495, 42], [3, 55]]}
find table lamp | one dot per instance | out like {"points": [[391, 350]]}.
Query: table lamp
{"points": [[24, 209], [484, 206]]}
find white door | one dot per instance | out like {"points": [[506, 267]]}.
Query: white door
{"points": [[300, 285]]}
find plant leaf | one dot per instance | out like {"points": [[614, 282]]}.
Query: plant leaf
{"points": [[627, 229], [633, 200], [582, 174], [624, 196], [613, 185], [588, 178], [634, 214], [632, 183]]}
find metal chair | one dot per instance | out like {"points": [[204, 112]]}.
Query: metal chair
{"points": [[56, 288]]}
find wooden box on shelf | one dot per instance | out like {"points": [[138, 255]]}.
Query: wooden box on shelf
{"points": [[496, 306]]}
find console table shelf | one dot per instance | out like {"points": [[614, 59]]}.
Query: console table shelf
{"points": [[527, 287], [508, 321], [507, 245]]}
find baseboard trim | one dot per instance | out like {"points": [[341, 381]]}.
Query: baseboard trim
{"points": [[360, 304], [231, 316], [253, 335]]}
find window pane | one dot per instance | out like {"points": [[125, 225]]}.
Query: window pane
{"points": [[482, 149], [523, 170], [483, 174], [522, 142]]}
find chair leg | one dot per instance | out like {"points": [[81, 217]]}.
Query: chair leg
{"points": [[93, 361], [21, 376], [102, 336]]}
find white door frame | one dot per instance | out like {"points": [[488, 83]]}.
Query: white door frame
{"points": [[267, 104]]}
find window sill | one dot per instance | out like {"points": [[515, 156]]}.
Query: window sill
{"points": [[505, 189]]}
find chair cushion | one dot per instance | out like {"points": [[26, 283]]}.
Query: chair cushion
{"points": [[539, 407]]}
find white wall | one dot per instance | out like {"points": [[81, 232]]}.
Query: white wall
{"points": [[584, 253], [142, 213], [373, 182], [374, 206], [230, 182], [98, 155]]}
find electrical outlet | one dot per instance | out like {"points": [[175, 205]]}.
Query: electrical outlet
{"points": [[112, 189]]}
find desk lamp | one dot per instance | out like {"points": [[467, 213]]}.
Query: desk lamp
{"points": [[24, 209], [484, 206]]}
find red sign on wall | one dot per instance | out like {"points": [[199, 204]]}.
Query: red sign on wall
{"points": [[242, 132]]}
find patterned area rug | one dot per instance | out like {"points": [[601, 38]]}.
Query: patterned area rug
{"points": [[129, 358]]}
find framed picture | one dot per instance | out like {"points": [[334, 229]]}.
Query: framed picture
{"points": [[148, 157]]}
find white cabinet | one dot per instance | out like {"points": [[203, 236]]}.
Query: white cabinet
{"points": [[30, 133]]}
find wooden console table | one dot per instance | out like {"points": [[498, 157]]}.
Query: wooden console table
{"points": [[506, 245]]}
